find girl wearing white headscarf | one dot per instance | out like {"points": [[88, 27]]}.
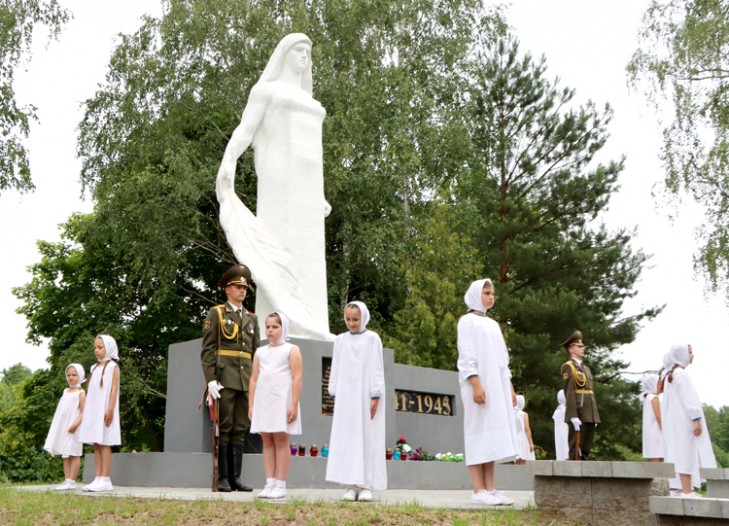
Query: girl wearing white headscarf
{"points": [[357, 384], [273, 402], [523, 431], [653, 447], [688, 445], [487, 394], [63, 438], [101, 426], [561, 429]]}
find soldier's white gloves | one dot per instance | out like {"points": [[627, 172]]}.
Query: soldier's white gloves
{"points": [[576, 422], [214, 389]]}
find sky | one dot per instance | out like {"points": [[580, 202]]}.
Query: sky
{"points": [[587, 44]]}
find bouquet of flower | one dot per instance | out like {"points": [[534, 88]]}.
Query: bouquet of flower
{"points": [[421, 454], [449, 457], [402, 445]]}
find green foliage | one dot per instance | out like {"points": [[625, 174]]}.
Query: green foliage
{"points": [[23, 430], [718, 425], [437, 268], [15, 374], [18, 18], [684, 57]]}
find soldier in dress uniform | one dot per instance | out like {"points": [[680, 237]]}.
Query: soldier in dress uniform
{"points": [[581, 413], [230, 337]]}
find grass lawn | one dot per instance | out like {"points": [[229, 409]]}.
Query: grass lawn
{"points": [[20, 508]]}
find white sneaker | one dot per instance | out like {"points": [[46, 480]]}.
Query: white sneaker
{"points": [[103, 485], [266, 492], [364, 495], [66, 485], [277, 492], [350, 495], [673, 492], [485, 497], [93, 484], [505, 501], [692, 495]]}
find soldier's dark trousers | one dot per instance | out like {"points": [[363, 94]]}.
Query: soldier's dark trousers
{"points": [[587, 432]]}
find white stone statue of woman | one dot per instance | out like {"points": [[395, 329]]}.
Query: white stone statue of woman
{"points": [[283, 244]]}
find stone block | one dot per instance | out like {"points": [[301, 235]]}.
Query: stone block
{"points": [[541, 467], [620, 495], [665, 505], [715, 473], [621, 517], [556, 493], [566, 468], [702, 508], [597, 469], [725, 509], [659, 487], [642, 470]]}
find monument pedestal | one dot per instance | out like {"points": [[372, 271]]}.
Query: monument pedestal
{"points": [[421, 404]]}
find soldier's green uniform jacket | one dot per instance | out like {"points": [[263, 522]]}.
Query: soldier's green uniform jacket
{"points": [[239, 339], [578, 392]]}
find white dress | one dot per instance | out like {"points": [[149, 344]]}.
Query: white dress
{"points": [[652, 435], [93, 429], [525, 452], [489, 429], [688, 453], [561, 433], [59, 440], [274, 392], [357, 443]]}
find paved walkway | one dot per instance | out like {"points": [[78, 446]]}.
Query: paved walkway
{"points": [[454, 499]]}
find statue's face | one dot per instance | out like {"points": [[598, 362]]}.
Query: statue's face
{"points": [[298, 57]]}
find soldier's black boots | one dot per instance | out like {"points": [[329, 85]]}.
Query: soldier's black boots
{"points": [[223, 464], [235, 452]]}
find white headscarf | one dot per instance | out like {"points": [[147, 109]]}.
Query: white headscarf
{"points": [[112, 351], [80, 371], [561, 398], [680, 355], [520, 402], [365, 314], [473, 295], [284, 328], [650, 384], [667, 363], [278, 58]]}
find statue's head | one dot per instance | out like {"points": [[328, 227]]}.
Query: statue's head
{"points": [[289, 53]]}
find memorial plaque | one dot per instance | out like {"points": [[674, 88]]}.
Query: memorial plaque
{"points": [[327, 402], [424, 403]]}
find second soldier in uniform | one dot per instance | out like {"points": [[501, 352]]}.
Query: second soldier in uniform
{"points": [[581, 412]]}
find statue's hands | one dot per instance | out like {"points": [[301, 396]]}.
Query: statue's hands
{"points": [[214, 389], [576, 422], [327, 209]]}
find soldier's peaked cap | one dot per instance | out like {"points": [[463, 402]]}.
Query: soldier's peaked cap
{"points": [[575, 336], [236, 275]]}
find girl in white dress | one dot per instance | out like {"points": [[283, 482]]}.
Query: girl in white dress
{"points": [[561, 429], [523, 431], [488, 397], [62, 436], [357, 383], [100, 426], [688, 445], [652, 434], [273, 393]]}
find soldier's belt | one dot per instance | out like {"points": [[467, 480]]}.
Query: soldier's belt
{"points": [[238, 354], [578, 391]]}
